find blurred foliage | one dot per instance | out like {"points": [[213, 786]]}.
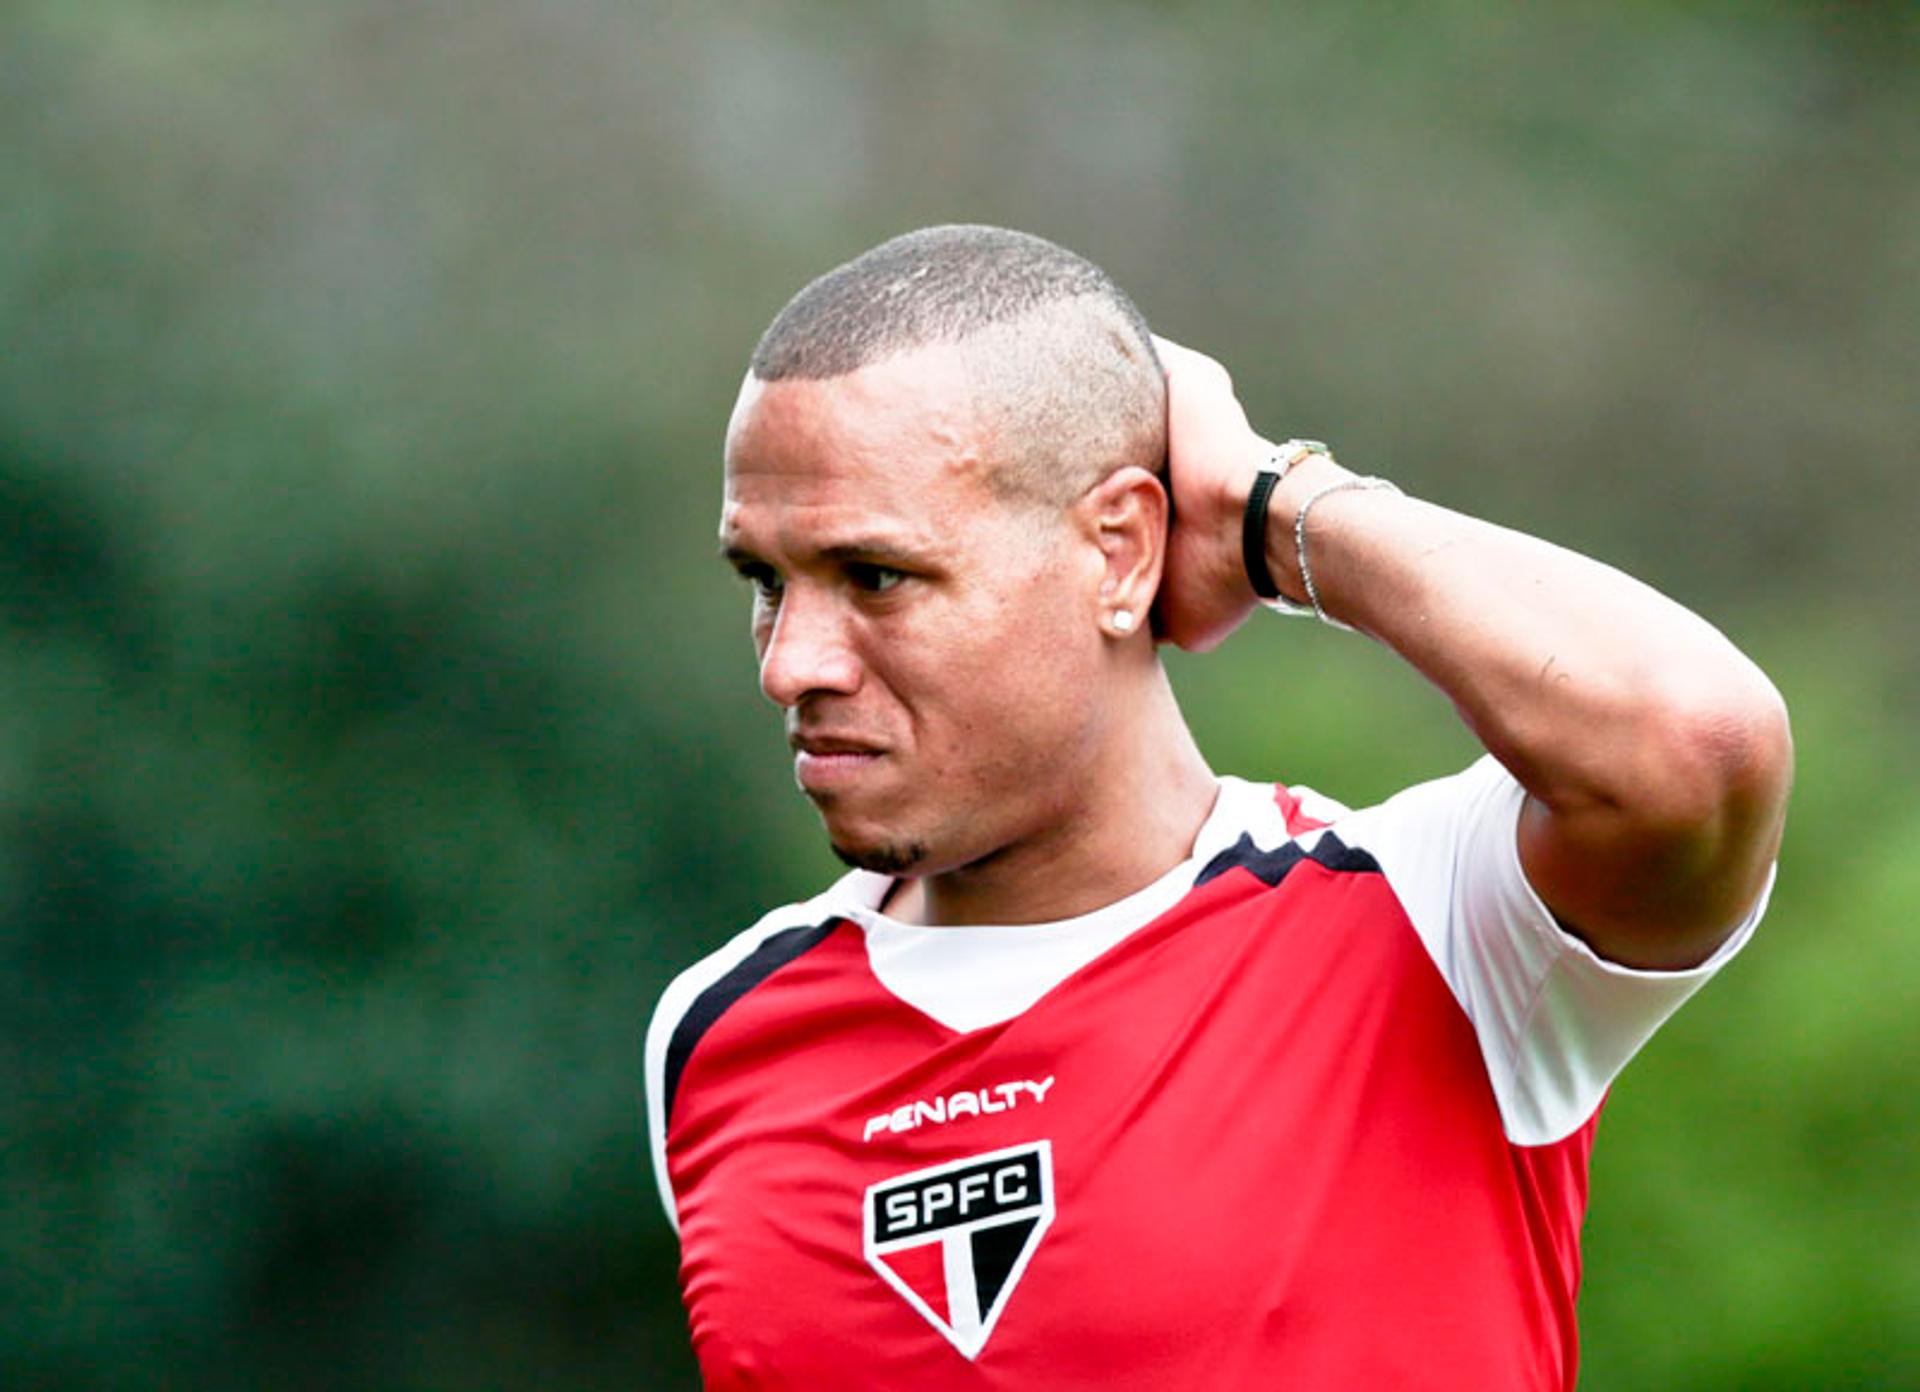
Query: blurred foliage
{"points": [[378, 734]]}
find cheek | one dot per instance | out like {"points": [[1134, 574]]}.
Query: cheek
{"points": [[1020, 678]]}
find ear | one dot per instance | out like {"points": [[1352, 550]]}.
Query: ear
{"points": [[1125, 517]]}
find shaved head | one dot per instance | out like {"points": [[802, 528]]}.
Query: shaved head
{"points": [[1065, 382]]}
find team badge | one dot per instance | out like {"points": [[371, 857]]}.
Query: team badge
{"points": [[954, 1239]]}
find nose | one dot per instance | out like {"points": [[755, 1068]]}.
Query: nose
{"points": [[806, 650]]}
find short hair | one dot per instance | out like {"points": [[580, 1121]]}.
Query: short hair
{"points": [[1065, 375]]}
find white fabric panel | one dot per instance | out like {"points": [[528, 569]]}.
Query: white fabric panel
{"points": [[1556, 1022], [1318, 806]]}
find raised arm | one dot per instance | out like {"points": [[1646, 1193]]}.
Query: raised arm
{"points": [[1655, 755]]}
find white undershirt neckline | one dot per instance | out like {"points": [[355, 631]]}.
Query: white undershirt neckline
{"points": [[983, 974]]}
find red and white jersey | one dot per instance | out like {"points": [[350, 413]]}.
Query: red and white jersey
{"points": [[1312, 1110]]}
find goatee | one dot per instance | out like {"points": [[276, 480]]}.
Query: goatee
{"points": [[896, 859]]}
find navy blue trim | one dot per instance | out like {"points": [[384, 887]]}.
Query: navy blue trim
{"points": [[707, 1008], [1271, 867]]}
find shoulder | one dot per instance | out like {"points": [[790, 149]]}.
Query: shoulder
{"points": [[773, 933], [698, 996], [700, 993], [1556, 1021]]}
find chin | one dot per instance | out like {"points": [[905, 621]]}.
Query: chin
{"points": [[894, 858]]}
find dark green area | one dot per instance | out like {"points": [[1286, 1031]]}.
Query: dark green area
{"points": [[378, 734]]}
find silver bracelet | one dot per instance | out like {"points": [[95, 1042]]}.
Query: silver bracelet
{"points": [[1313, 607]]}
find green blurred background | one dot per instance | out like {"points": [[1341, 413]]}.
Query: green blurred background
{"points": [[378, 733]]}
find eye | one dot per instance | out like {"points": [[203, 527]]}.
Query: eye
{"points": [[764, 579], [874, 579]]}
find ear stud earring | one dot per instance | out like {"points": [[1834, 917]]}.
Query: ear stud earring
{"points": [[1123, 620]]}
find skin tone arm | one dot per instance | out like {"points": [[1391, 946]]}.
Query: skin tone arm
{"points": [[1656, 757]]}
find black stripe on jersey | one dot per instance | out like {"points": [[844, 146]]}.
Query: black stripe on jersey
{"points": [[707, 1008], [1271, 867]]}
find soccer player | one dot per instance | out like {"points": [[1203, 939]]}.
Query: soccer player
{"points": [[1101, 1070]]}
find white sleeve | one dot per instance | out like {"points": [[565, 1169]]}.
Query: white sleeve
{"points": [[1556, 1021]]}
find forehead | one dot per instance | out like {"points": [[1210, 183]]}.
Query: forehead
{"points": [[895, 448]]}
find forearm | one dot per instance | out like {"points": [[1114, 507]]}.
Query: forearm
{"points": [[1653, 750], [1655, 757]]}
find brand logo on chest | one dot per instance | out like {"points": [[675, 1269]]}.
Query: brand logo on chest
{"points": [[954, 1239], [936, 1111]]}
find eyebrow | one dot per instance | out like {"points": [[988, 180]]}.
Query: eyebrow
{"points": [[871, 550]]}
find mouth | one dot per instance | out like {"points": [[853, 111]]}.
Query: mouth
{"points": [[822, 766]]}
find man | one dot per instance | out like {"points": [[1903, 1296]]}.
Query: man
{"points": [[1100, 1070]]}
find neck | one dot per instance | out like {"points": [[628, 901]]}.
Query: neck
{"points": [[1128, 821]]}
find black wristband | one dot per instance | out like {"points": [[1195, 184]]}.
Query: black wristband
{"points": [[1253, 535]]}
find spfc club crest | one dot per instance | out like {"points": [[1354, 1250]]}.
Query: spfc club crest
{"points": [[954, 1239]]}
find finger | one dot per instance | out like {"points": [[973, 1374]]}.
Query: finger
{"points": [[1176, 357]]}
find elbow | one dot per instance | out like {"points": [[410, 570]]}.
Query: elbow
{"points": [[1725, 764], [1666, 866]]}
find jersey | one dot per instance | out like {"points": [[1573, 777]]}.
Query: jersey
{"points": [[1312, 1110]]}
